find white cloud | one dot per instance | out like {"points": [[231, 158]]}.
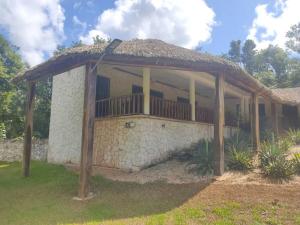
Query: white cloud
{"points": [[270, 27], [185, 23], [79, 23], [36, 26]]}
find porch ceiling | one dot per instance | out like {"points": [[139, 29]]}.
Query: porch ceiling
{"points": [[180, 80]]}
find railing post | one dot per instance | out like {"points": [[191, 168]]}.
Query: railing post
{"points": [[192, 99], [146, 90]]}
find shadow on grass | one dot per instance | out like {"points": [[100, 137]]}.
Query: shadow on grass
{"points": [[46, 197]]}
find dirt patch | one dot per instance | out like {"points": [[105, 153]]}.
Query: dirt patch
{"points": [[178, 172]]}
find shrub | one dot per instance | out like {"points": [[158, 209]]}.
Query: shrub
{"points": [[280, 168], [202, 158], [240, 140], [285, 143], [273, 161], [294, 136], [240, 160], [2, 131], [296, 162]]}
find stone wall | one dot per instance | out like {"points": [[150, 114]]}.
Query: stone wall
{"points": [[66, 116], [12, 150], [135, 142]]}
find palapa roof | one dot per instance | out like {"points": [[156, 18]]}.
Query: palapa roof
{"points": [[151, 52], [289, 94]]}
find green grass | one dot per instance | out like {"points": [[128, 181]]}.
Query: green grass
{"points": [[46, 198]]}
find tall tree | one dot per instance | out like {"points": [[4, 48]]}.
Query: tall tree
{"points": [[235, 51], [294, 38], [248, 56]]}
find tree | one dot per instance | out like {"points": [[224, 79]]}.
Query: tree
{"points": [[99, 40], [294, 38], [248, 56], [235, 51]]}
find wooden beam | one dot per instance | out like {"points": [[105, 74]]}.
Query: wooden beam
{"points": [[192, 98], [146, 90], [87, 132], [219, 126], [28, 128], [274, 116], [255, 122]]}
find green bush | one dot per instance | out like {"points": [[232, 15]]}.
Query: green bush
{"points": [[240, 160], [280, 168], [296, 163], [2, 131], [274, 162], [240, 140], [201, 157], [285, 143], [294, 136]]}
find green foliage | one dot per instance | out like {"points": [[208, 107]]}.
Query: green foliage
{"points": [[240, 160], [99, 40], [234, 52], [296, 163], [273, 160], [2, 131], [12, 97], [240, 140], [294, 38], [294, 136], [200, 156]]}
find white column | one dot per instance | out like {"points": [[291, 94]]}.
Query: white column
{"points": [[193, 99], [146, 90]]}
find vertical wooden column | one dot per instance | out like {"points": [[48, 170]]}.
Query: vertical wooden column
{"points": [[87, 132], [242, 108], [274, 117], [146, 90], [298, 111], [219, 126], [192, 99], [28, 128], [255, 122]]}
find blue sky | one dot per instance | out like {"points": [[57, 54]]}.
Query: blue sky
{"points": [[37, 27]]}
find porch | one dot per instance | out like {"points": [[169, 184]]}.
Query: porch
{"points": [[173, 94]]}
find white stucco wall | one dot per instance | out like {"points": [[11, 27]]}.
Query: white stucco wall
{"points": [[150, 141], [66, 116]]}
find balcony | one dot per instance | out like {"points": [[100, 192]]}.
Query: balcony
{"points": [[134, 105]]}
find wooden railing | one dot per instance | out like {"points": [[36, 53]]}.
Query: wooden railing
{"points": [[170, 109], [120, 106], [204, 115], [134, 105]]}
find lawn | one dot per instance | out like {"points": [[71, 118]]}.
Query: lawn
{"points": [[46, 198]]}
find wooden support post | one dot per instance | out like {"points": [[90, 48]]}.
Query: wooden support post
{"points": [[28, 129], [219, 126], [146, 90], [255, 122], [192, 99], [242, 108], [87, 133], [274, 117]]}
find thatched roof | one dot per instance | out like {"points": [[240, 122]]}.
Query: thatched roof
{"points": [[289, 94], [150, 52]]}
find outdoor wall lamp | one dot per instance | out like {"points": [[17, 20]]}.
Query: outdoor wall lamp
{"points": [[130, 124]]}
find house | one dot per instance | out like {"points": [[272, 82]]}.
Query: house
{"points": [[131, 104]]}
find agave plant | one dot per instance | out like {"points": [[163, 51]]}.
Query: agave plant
{"points": [[240, 160]]}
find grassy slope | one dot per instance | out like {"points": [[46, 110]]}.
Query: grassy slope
{"points": [[46, 198]]}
